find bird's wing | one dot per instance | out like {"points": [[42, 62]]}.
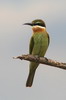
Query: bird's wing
{"points": [[48, 38], [31, 45]]}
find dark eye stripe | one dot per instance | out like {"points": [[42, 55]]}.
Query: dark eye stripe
{"points": [[40, 24]]}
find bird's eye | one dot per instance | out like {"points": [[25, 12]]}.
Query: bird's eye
{"points": [[37, 23]]}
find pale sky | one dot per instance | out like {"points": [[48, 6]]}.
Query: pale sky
{"points": [[49, 83]]}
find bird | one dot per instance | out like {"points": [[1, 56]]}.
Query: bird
{"points": [[38, 46]]}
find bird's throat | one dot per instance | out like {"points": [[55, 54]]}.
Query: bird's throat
{"points": [[38, 29]]}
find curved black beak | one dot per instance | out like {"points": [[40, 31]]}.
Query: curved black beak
{"points": [[28, 24]]}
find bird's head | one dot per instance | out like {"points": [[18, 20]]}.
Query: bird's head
{"points": [[37, 25]]}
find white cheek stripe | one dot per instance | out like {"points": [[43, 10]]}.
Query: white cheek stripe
{"points": [[39, 27]]}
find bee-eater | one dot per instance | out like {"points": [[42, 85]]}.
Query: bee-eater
{"points": [[38, 46]]}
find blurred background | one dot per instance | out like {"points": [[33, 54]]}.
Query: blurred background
{"points": [[49, 83]]}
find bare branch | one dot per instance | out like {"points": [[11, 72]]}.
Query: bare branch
{"points": [[42, 60]]}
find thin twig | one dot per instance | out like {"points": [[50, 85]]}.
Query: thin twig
{"points": [[42, 60]]}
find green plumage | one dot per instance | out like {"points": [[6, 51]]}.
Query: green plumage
{"points": [[38, 45]]}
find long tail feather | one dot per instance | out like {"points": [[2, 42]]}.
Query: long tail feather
{"points": [[33, 66], [30, 79]]}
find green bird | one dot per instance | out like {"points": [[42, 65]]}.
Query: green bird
{"points": [[38, 46]]}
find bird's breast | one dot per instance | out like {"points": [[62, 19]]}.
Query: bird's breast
{"points": [[40, 44]]}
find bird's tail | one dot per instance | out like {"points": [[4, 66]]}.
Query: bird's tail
{"points": [[30, 79], [33, 67]]}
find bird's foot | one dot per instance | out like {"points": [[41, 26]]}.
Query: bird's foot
{"points": [[37, 58], [46, 58]]}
